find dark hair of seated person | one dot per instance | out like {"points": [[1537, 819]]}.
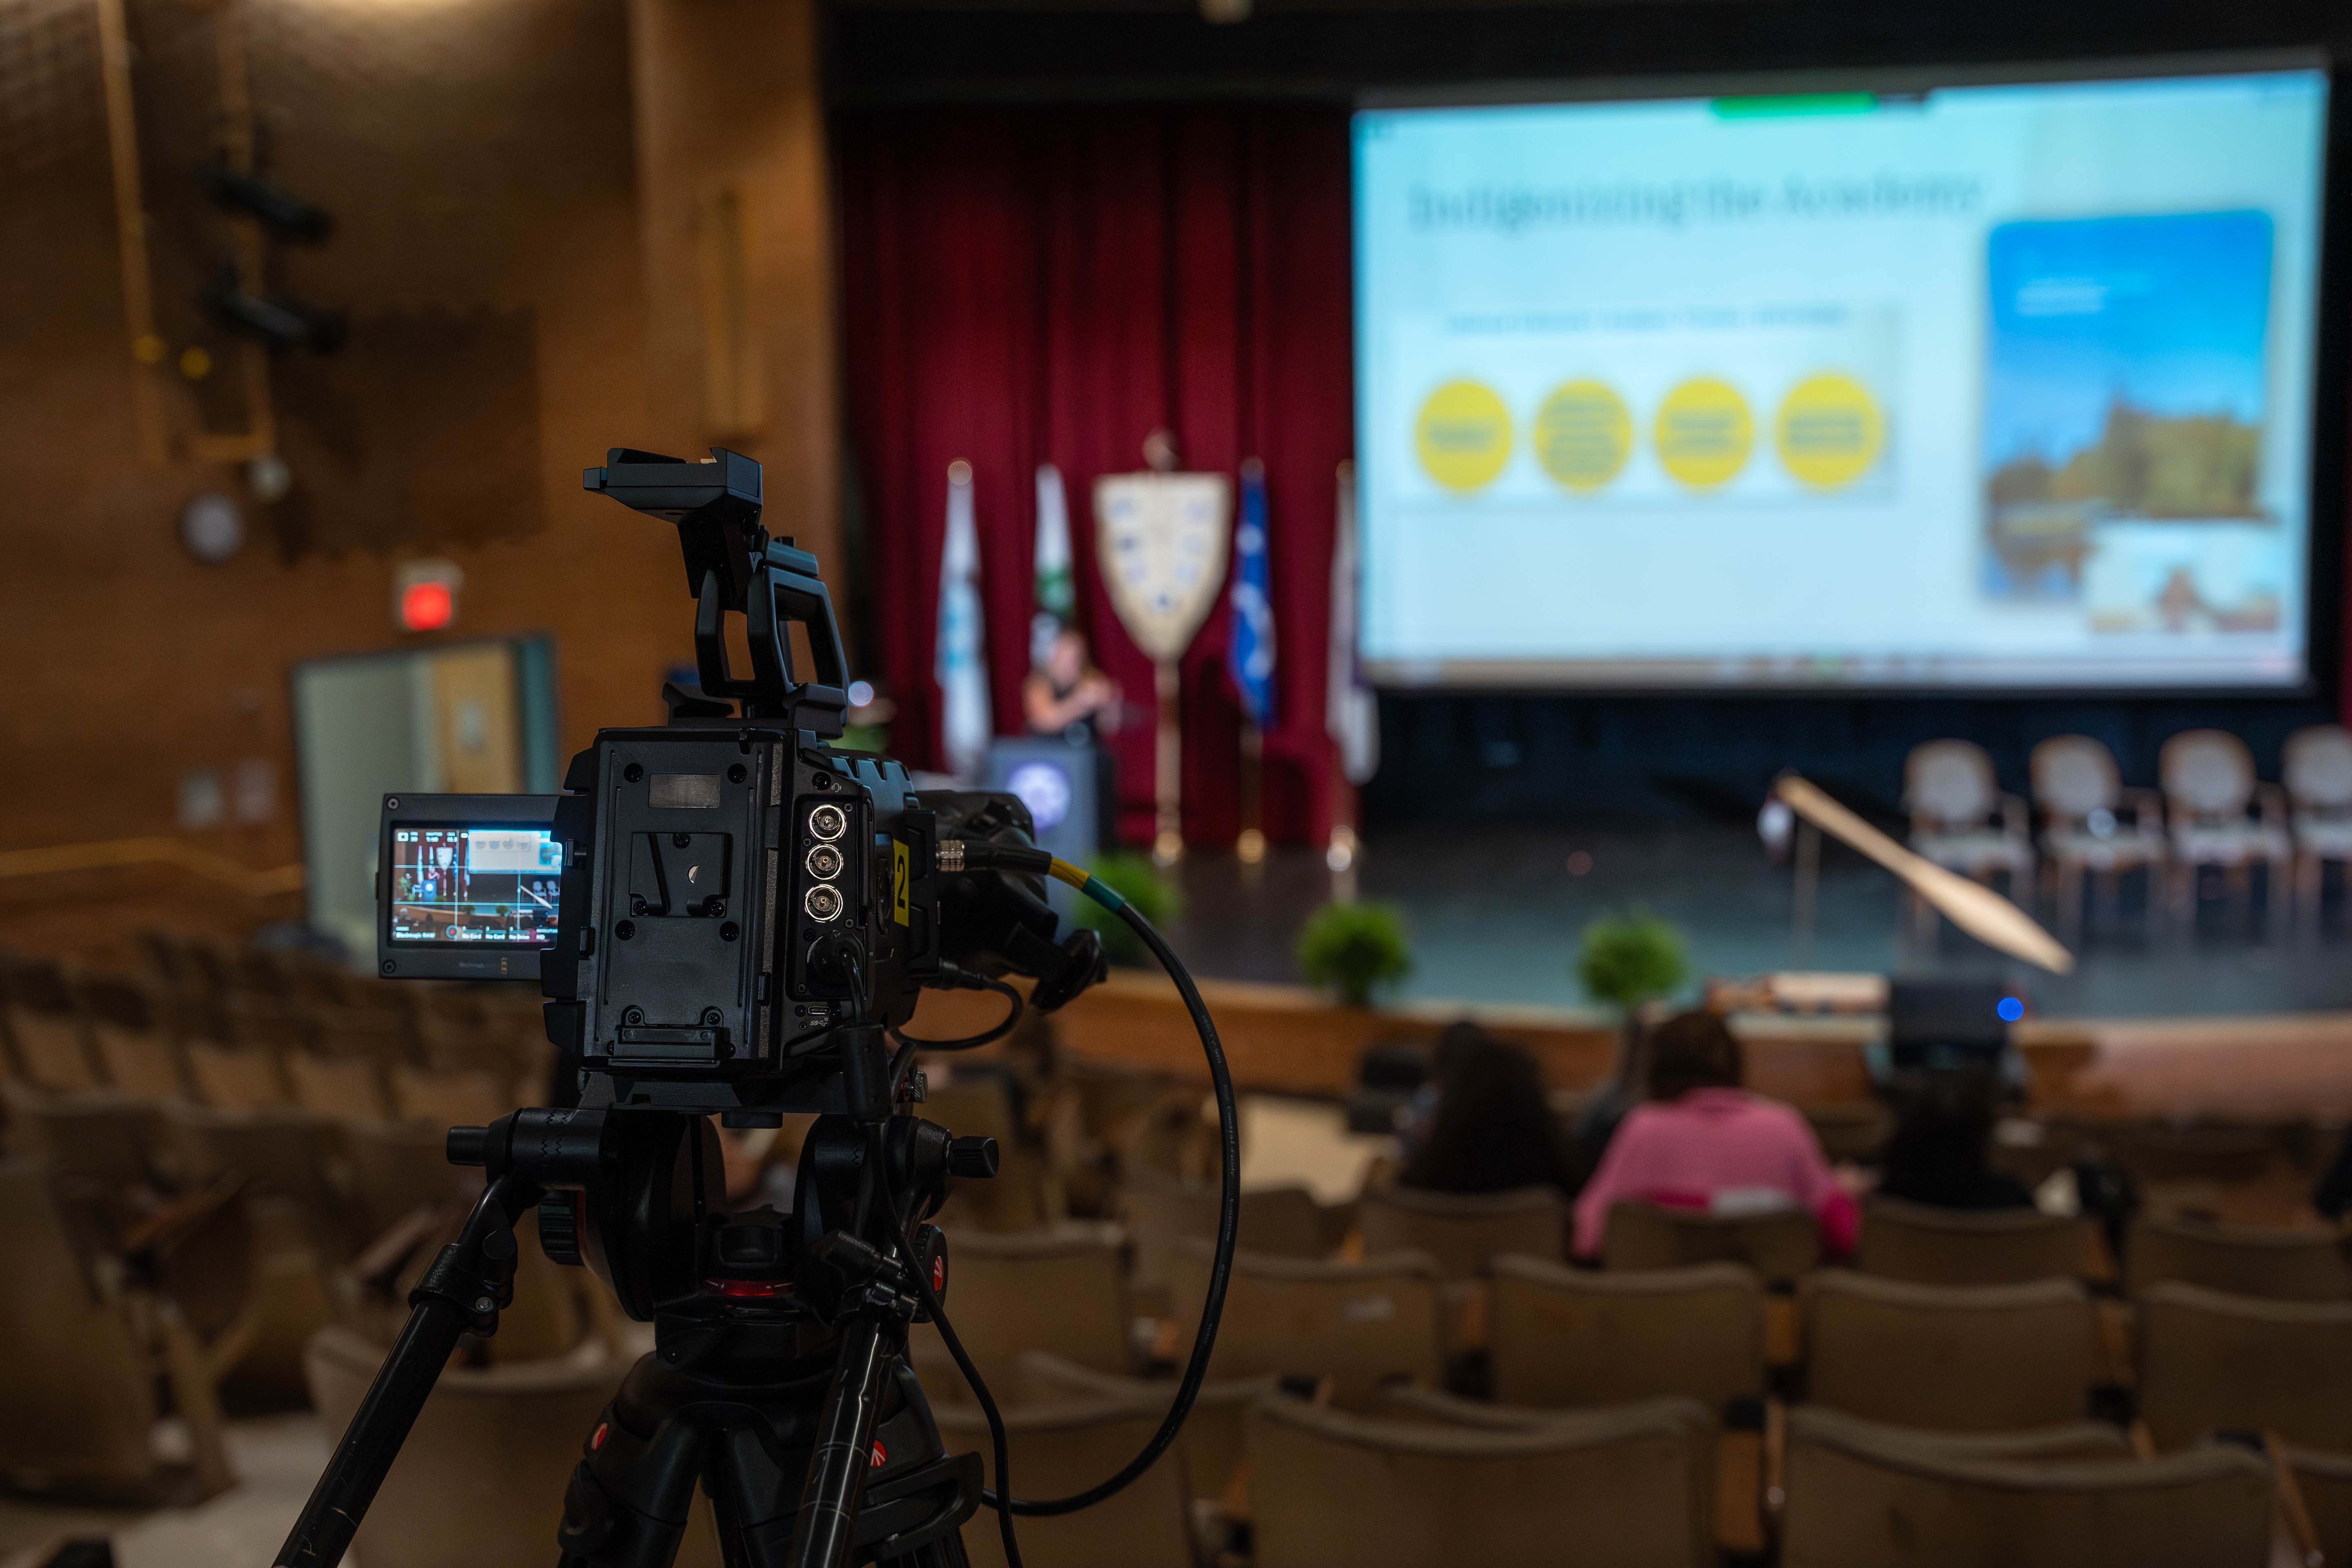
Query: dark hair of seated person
{"points": [[1492, 1128], [1940, 1153], [1694, 1050]]}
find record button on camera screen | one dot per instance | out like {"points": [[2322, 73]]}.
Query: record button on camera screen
{"points": [[495, 886]]}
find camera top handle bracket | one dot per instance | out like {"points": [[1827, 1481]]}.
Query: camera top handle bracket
{"points": [[732, 566]]}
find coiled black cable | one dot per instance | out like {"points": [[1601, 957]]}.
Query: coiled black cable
{"points": [[1204, 1338]]}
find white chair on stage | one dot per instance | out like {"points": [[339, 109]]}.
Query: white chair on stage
{"points": [[1962, 820], [2085, 832], [2319, 777], [2208, 788]]}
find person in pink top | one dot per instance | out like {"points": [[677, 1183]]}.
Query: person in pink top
{"points": [[1702, 1141]]}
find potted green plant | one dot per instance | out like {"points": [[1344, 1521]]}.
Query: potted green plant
{"points": [[1626, 960], [1354, 949], [1629, 959], [1135, 879]]}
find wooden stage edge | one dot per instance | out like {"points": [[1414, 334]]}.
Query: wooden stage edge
{"points": [[1286, 1040]]}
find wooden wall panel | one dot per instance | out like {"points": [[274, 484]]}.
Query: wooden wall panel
{"points": [[478, 156], [733, 173]]}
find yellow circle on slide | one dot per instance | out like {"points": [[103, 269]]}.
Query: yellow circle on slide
{"points": [[1464, 435], [1583, 435], [1830, 431], [1704, 432]]}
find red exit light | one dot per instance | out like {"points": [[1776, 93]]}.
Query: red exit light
{"points": [[426, 606]]}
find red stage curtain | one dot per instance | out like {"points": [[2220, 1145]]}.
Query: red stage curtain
{"points": [[1034, 285]]}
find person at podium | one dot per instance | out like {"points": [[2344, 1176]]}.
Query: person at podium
{"points": [[1065, 695]]}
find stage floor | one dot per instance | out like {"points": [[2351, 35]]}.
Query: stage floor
{"points": [[1495, 916]]}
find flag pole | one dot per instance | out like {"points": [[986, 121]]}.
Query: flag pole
{"points": [[1168, 770], [1344, 700], [1250, 846], [1250, 653]]}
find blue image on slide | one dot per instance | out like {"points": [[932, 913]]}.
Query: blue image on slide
{"points": [[2126, 381]]}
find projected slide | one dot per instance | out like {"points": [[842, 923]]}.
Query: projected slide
{"points": [[1999, 386], [493, 884]]}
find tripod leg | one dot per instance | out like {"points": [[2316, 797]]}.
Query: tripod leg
{"points": [[466, 1285], [827, 1520]]}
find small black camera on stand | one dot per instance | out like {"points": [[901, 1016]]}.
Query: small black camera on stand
{"points": [[731, 917]]}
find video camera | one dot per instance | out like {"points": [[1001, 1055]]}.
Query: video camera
{"points": [[725, 904], [729, 916]]}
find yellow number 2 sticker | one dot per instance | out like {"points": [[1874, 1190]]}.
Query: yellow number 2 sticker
{"points": [[898, 878]]}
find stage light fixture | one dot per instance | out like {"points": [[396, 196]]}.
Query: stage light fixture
{"points": [[273, 204]]}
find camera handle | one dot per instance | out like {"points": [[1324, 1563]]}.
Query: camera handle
{"points": [[465, 1289]]}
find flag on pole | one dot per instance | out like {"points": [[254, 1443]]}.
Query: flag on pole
{"points": [[1251, 655], [960, 664], [1056, 596], [1350, 713]]}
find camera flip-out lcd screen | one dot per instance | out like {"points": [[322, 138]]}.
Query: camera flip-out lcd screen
{"points": [[494, 884]]}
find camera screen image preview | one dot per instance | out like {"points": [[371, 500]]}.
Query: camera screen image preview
{"points": [[489, 885]]}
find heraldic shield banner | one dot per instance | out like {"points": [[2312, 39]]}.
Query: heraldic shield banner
{"points": [[1162, 540]]}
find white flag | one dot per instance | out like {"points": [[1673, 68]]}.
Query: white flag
{"points": [[1350, 712], [1055, 597], [961, 665]]}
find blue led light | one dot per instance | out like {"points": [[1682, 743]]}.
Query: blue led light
{"points": [[2010, 1009]]}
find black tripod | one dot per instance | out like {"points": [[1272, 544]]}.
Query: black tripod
{"points": [[779, 1382]]}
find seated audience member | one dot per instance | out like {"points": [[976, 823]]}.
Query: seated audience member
{"points": [[1702, 1141], [1489, 1127], [1940, 1153]]}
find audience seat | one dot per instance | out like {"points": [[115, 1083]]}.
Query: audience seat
{"points": [[1066, 1446], [2324, 1479], [2155, 1153], [399, 1167], [1980, 1358], [236, 1076], [1573, 1337], [1630, 1486], [1929, 1245], [81, 1379], [1058, 1290], [1161, 1213], [2279, 1264], [101, 1137], [1357, 1324], [2211, 1361], [1461, 1232], [1854, 1132], [2069, 1442], [1780, 1246], [1863, 1499], [349, 1088], [1212, 1436], [482, 1475], [134, 1046], [448, 1099], [42, 1034], [280, 1151]]}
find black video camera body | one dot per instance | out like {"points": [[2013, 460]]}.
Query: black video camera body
{"points": [[742, 908]]}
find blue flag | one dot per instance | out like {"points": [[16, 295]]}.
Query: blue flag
{"points": [[1251, 655]]}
